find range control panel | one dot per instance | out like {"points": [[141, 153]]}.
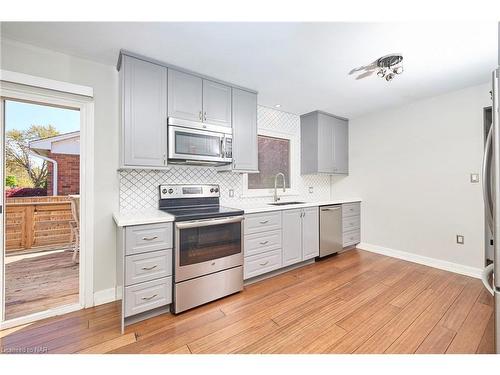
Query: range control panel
{"points": [[189, 191]]}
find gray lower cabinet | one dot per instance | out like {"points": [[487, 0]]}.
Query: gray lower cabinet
{"points": [[185, 96], [324, 144], [351, 224], [300, 235], [310, 233], [244, 120], [143, 90], [144, 270], [216, 103], [292, 236]]}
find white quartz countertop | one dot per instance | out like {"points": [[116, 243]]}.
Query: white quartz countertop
{"points": [[128, 218], [265, 207]]}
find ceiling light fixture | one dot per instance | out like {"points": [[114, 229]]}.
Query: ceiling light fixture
{"points": [[389, 66]]}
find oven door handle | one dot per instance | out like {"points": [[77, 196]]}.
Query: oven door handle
{"points": [[209, 222]]}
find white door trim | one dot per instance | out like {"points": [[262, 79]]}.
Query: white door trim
{"points": [[64, 96]]}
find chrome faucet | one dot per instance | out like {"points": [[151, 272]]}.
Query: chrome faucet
{"points": [[276, 198]]}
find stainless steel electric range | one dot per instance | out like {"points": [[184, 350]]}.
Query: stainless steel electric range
{"points": [[208, 244]]}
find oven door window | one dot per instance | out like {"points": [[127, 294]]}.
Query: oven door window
{"points": [[203, 244], [197, 144]]}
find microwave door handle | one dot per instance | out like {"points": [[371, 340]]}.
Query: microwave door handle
{"points": [[222, 147]]}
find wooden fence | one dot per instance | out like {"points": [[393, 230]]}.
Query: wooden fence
{"points": [[37, 223]]}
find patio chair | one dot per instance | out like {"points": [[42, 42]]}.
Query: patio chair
{"points": [[75, 224]]}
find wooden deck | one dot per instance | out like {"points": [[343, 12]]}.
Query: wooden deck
{"points": [[356, 302], [37, 282]]}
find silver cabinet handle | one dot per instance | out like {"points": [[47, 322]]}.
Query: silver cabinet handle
{"points": [[205, 116], [149, 268], [487, 180], [485, 278], [331, 209], [263, 264], [200, 116], [264, 221], [264, 242], [149, 238], [149, 298]]}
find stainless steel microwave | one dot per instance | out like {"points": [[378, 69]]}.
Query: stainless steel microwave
{"points": [[197, 143]]}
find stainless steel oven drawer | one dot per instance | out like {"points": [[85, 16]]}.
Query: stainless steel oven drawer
{"points": [[148, 266], [262, 263], [147, 296], [262, 222], [261, 242], [149, 237], [203, 289]]}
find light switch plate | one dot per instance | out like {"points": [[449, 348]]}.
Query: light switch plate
{"points": [[460, 239], [474, 178], [231, 193]]}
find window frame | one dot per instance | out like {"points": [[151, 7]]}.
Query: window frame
{"points": [[293, 162]]}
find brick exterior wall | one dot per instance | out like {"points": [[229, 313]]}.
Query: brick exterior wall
{"points": [[68, 181]]}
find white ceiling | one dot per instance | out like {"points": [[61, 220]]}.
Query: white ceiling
{"points": [[302, 66]]}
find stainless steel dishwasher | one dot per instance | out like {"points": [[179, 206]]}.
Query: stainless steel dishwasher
{"points": [[330, 230]]}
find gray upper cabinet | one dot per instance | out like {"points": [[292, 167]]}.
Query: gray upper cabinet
{"points": [[185, 96], [244, 120], [143, 89], [216, 103], [324, 144]]}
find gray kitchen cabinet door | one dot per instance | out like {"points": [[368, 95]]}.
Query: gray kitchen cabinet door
{"points": [[292, 236], [325, 144], [340, 146], [144, 113], [185, 96], [216, 103], [244, 120], [310, 233]]}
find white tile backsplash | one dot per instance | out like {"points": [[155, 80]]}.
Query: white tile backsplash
{"points": [[139, 188]]}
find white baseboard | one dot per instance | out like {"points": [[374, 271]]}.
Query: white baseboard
{"points": [[426, 261], [104, 296]]}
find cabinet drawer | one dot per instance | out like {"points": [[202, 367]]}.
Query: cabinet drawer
{"points": [[262, 222], [350, 209], [148, 266], [261, 242], [147, 296], [350, 223], [150, 237], [262, 263], [351, 238]]}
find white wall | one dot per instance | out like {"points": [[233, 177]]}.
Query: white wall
{"points": [[411, 165], [104, 80]]}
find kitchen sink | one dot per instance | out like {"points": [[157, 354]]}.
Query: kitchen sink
{"points": [[285, 203]]}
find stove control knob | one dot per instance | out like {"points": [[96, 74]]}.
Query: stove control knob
{"points": [[164, 191], [170, 191], [211, 190], [216, 190]]}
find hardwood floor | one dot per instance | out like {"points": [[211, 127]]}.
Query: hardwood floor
{"points": [[38, 282], [356, 302]]}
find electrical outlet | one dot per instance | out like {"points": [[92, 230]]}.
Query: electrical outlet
{"points": [[474, 178], [231, 193], [311, 189], [460, 239]]}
